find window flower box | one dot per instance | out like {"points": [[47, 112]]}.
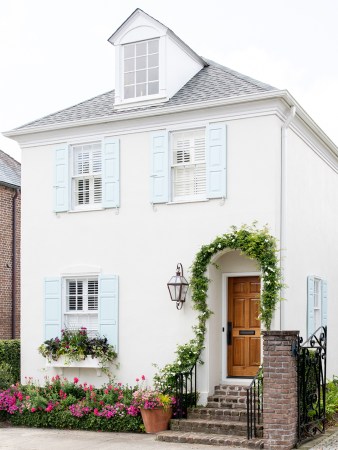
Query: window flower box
{"points": [[87, 363], [77, 349]]}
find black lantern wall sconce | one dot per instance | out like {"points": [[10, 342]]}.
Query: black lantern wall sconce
{"points": [[178, 287]]}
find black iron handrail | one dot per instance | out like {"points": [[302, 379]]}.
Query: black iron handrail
{"points": [[311, 365], [185, 392], [254, 405]]}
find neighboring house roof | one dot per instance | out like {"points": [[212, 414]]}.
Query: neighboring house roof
{"points": [[10, 170], [210, 83]]}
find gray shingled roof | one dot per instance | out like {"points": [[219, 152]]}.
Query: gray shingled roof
{"points": [[210, 83], [10, 170]]}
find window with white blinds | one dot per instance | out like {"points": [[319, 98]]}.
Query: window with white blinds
{"points": [[87, 175], [188, 171], [141, 68], [82, 304]]}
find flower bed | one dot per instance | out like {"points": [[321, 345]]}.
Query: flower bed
{"points": [[64, 404]]}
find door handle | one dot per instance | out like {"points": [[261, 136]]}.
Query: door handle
{"points": [[229, 333]]}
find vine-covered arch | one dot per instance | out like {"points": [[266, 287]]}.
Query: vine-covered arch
{"points": [[255, 243]]}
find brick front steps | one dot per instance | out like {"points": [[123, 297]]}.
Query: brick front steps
{"points": [[222, 422]]}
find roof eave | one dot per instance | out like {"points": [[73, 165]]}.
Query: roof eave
{"points": [[278, 94], [10, 185], [145, 112]]}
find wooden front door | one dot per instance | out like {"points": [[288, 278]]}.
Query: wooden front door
{"points": [[244, 329]]}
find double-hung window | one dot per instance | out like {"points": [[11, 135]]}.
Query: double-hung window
{"points": [[188, 170], [316, 304], [87, 175], [141, 69], [79, 301], [188, 165], [81, 308]]}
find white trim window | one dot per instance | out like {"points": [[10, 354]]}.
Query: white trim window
{"points": [[188, 169], [141, 69], [81, 304], [317, 303], [87, 175], [188, 165]]}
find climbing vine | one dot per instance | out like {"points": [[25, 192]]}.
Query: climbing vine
{"points": [[255, 243]]}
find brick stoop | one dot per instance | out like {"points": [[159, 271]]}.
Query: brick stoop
{"points": [[222, 422]]}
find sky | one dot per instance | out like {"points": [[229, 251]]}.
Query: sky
{"points": [[54, 53]]}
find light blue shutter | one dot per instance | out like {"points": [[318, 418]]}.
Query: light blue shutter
{"points": [[61, 186], [52, 308], [216, 160], [111, 173], [310, 306], [108, 308], [159, 170], [324, 303]]}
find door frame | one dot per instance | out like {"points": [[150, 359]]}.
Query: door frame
{"points": [[224, 346]]}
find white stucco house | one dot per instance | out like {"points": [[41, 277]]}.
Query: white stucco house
{"points": [[120, 188]]}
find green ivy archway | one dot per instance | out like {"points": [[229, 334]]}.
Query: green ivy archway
{"points": [[255, 243]]}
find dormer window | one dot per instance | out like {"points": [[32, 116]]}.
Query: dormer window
{"points": [[141, 69]]}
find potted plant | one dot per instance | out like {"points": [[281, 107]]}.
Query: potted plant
{"points": [[77, 349], [155, 407]]}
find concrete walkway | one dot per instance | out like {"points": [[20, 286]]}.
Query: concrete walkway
{"points": [[17, 438], [327, 441]]}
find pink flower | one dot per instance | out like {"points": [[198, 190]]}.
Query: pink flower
{"points": [[106, 391], [137, 380], [33, 409], [76, 380], [143, 377]]}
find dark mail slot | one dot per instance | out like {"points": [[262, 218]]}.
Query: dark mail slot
{"points": [[247, 332]]}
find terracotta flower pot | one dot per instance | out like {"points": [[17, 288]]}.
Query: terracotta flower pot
{"points": [[156, 420]]}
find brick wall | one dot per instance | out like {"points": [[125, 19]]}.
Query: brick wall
{"points": [[6, 237], [280, 390]]}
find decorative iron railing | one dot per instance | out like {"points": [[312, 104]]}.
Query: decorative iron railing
{"points": [[311, 362], [254, 406], [185, 392]]}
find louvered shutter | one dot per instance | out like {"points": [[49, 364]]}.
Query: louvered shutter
{"points": [[108, 308], [159, 169], [216, 160], [324, 303], [310, 306], [52, 308], [61, 186], [111, 173]]}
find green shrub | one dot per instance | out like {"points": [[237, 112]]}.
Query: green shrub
{"points": [[331, 398], [10, 354], [6, 376]]}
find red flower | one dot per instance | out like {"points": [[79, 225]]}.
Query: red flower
{"points": [[33, 409], [76, 380]]}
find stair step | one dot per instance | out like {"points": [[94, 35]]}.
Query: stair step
{"points": [[209, 426], [227, 414], [226, 405], [209, 439]]}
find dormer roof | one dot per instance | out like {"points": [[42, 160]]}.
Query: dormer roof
{"points": [[151, 22]]}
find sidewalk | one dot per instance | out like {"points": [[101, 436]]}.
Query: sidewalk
{"points": [[327, 441], [18, 438], [15, 438]]}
